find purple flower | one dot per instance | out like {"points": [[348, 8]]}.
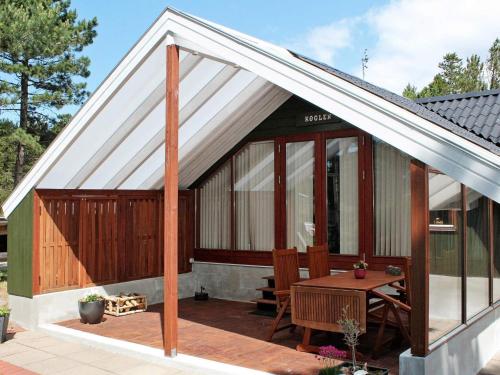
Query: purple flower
{"points": [[332, 352]]}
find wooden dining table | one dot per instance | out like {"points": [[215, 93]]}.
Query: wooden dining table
{"points": [[319, 303]]}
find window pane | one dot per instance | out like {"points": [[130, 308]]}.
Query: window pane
{"points": [[300, 194], [496, 251], [342, 195], [215, 210], [445, 279], [254, 196], [477, 253], [392, 201]]}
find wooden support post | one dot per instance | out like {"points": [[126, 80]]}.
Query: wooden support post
{"points": [[419, 324], [171, 183]]}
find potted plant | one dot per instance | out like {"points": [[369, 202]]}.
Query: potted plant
{"points": [[330, 354], [4, 321], [91, 308], [201, 295], [360, 269]]}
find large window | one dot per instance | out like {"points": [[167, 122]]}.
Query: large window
{"points": [[392, 201], [300, 222], [477, 253], [445, 279], [496, 251], [254, 196], [215, 210], [342, 195]]}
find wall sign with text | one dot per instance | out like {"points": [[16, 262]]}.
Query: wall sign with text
{"points": [[315, 118]]}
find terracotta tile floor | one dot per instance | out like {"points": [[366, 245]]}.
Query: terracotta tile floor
{"points": [[224, 331]]}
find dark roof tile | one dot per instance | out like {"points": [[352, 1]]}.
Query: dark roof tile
{"points": [[427, 108], [478, 112]]}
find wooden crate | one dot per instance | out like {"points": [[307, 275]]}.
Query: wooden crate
{"points": [[125, 304]]}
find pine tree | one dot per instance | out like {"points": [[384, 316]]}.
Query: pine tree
{"points": [[455, 78], [40, 58], [493, 65]]}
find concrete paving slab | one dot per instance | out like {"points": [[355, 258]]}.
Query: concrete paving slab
{"points": [[88, 355], [52, 365], [116, 363], [11, 347], [63, 348], [83, 369], [152, 370], [29, 356]]}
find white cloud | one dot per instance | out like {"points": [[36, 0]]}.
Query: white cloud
{"points": [[411, 37], [323, 42]]}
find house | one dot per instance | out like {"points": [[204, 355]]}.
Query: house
{"points": [[264, 149]]}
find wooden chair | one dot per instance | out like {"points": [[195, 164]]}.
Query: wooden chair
{"points": [[286, 272], [397, 305], [318, 261]]}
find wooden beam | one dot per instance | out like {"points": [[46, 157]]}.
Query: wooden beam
{"points": [[171, 183], [419, 324]]}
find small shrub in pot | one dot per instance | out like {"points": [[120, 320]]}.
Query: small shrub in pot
{"points": [[4, 321], [91, 308]]}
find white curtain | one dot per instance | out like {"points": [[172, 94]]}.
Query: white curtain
{"points": [[300, 194], [348, 194], [215, 206], [254, 196], [392, 201]]}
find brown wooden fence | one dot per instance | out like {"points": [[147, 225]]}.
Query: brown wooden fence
{"points": [[100, 237]]}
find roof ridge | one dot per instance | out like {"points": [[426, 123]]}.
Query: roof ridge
{"points": [[466, 95]]}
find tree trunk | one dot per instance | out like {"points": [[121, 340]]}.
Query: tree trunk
{"points": [[18, 169], [23, 124], [23, 118]]}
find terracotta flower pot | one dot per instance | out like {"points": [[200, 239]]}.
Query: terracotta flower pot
{"points": [[359, 273]]}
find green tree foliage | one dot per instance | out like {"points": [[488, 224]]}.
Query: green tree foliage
{"points": [[42, 70], [493, 64], [455, 77], [10, 138]]}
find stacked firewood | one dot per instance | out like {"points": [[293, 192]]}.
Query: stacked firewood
{"points": [[124, 304]]}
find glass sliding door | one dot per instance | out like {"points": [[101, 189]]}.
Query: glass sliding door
{"points": [[392, 198], [496, 251], [254, 196], [342, 195], [300, 223], [445, 279], [478, 252], [215, 210]]}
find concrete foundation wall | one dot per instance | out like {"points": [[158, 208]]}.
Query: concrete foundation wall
{"points": [[464, 353], [59, 306], [232, 281]]}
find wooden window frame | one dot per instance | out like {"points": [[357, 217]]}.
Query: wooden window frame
{"points": [[365, 204]]}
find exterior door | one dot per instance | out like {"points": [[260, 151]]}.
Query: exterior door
{"points": [[300, 194]]}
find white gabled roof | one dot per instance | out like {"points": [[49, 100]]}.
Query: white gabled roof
{"points": [[230, 82]]}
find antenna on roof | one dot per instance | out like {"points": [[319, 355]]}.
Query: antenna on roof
{"points": [[364, 62]]}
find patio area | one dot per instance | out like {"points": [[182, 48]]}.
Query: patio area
{"points": [[229, 332]]}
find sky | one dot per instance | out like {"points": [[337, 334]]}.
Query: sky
{"points": [[404, 39]]}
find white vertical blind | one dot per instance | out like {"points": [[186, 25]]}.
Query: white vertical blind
{"points": [[392, 201], [300, 194], [254, 196], [348, 194], [215, 210]]}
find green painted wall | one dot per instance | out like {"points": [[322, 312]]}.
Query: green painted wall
{"points": [[20, 248]]}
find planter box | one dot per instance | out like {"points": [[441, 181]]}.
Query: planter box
{"points": [[338, 370], [125, 304]]}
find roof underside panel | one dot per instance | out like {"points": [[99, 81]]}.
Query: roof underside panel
{"points": [[123, 146]]}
